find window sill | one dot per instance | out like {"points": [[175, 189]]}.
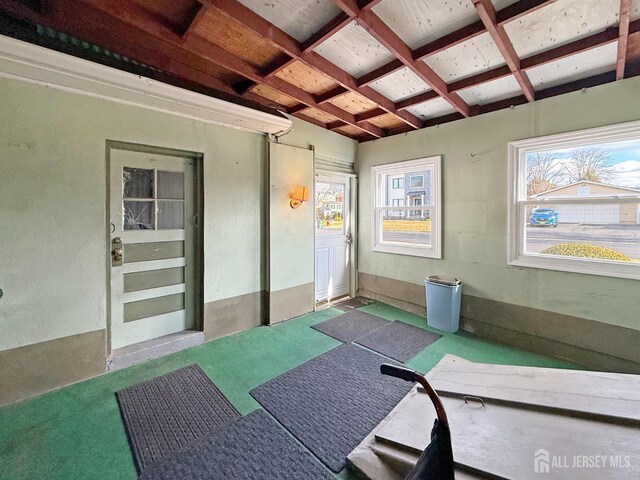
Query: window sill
{"points": [[577, 265], [413, 251]]}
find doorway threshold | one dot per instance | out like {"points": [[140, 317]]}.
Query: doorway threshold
{"points": [[154, 348], [322, 304]]}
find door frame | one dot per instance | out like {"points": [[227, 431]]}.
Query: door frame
{"points": [[352, 183], [198, 237]]}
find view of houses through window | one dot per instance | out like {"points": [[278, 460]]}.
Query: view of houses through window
{"points": [[583, 201], [329, 208], [406, 207]]}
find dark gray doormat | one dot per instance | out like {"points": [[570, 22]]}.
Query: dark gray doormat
{"points": [[355, 302], [332, 402], [398, 340], [351, 325], [253, 448], [165, 414]]}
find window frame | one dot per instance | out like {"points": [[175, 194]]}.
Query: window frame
{"points": [[517, 152], [404, 167], [397, 183]]}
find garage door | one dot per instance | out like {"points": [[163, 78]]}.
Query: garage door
{"points": [[588, 213]]}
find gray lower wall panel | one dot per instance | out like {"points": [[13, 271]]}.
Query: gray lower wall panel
{"points": [[291, 302], [34, 369], [235, 314], [598, 345]]}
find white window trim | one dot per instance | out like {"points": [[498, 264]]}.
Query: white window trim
{"points": [[435, 249], [517, 152]]}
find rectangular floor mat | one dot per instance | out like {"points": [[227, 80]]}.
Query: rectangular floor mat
{"points": [[331, 402], [349, 326], [165, 414], [252, 448], [352, 303], [398, 340]]}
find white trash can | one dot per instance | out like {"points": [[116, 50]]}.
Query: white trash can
{"points": [[443, 302]]}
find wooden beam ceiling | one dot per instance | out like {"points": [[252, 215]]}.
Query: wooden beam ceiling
{"points": [[141, 19], [296, 51], [392, 42], [487, 14], [180, 50]]}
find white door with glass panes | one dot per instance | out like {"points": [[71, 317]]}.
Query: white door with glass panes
{"points": [[151, 251], [333, 237]]}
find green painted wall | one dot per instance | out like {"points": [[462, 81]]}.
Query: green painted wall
{"points": [[474, 173], [53, 197]]}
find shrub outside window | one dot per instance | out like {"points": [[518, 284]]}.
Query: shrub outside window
{"points": [[406, 220], [575, 201]]}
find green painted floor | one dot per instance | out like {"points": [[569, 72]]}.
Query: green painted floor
{"points": [[76, 432]]}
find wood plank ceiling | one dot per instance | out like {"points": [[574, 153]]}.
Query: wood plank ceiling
{"points": [[364, 68]]}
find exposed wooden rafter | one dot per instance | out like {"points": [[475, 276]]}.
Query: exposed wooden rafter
{"points": [[296, 51], [623, 37], [392, 42], [487, 14], [195, 20], [143, 20], [507, 14], [178, 48], [554, 54], [90, 25]]}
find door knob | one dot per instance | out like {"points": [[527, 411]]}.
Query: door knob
{"points": [[349, 238], [116, 252]]}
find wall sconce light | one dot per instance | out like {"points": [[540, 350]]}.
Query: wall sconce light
{"points": [[299, 195]]}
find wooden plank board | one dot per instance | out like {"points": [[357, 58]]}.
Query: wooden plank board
{"points": [[306, 78], [236, 39], [593, 393], [353, 103], [274, 95], [387, 121], [503, 441]]}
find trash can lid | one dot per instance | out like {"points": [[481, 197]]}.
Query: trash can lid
{"points": [[444, 280]]}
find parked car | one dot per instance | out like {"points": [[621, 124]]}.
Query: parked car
{"points": [[543, 216]]}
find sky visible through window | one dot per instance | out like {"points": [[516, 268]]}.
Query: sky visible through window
{"points": [[612, 163]]}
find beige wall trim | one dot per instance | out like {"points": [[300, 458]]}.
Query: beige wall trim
{"points": [[234, 314], [599, 345], [34, 369], [291, 302]]}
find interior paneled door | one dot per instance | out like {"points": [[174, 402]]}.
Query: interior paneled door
{"points": [[152, 242], [333, 236]]}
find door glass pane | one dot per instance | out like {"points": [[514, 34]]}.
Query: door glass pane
{"points": [[170, 185], [138, 215], [402, 226], [329, 208], [170, 214], [137, 183]]}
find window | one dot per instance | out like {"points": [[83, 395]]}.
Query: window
{"points": [[398, 183], [152, 199], [401, 229], [416, 181], [575, 202]]}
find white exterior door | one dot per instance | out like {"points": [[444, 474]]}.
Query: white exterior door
{"points": [[151, 249], [333, 237]]}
